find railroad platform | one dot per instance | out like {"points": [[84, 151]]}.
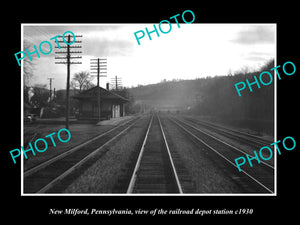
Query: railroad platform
{"points": [[114, 121]]}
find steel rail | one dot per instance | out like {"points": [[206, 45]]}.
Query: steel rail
{"points": [[221, 155], [266, 164], [71, 150], [230, 131], [137, 165], [78, 164], [170, 158]]}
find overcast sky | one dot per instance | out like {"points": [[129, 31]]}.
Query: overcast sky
{"points": [[188, 52]]}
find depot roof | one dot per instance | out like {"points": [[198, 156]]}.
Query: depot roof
{"points": [[104, 95]]}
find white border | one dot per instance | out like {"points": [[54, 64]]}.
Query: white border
{"points": [[22, 112], [275, 114], [112, 194]]}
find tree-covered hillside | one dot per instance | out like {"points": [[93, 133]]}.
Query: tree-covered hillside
{"points": [[214, 97]]}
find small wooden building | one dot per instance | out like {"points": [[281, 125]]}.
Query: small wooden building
{"points": [[112, 105]]}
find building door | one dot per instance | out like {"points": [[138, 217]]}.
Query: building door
{"points": [[115, 111]]}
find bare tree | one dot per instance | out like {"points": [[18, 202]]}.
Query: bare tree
{"points": [[27, 67], [82, 80], [40, 96]]}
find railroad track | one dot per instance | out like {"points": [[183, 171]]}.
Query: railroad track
{"points": [[249, 139], [260, 177], [56, 173], [154, 171]]}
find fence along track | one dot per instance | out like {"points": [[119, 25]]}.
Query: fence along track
{"points": [[222, 155], [47, 176], [154, 170]]}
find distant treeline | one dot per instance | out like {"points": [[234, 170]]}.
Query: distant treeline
{"points": [[218, 97], [215, 97]]}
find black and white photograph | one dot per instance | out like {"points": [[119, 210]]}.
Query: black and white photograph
{"points": [[132, 109], [150, 111]]}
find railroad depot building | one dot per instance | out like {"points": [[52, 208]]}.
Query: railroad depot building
{"points": [[112, 105]]}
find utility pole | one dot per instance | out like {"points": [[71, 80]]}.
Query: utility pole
{"points": [[68, 58], [116, 82], [50, 93], [98, 65]]}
